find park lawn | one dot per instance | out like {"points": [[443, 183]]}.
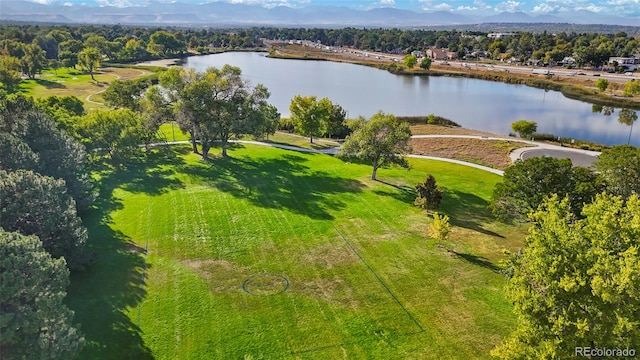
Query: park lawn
{"points": [[301, 141], [280, 254], [172, 132], [70, 82]]}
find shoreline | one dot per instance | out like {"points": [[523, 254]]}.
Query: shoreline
{"points": [[558, 83], [571, 87]]}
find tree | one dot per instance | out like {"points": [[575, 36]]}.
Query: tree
{"points": [[119, 132], [219, 104], [429, 196], [309, 115], [61, 156], [16, 154], [163, 43], [125, 94], [382, 140], [68, 59], [602, 84], [440, 227], [631, 88], [528, 182], [34, 322], [425, 64], [10, 71], [33, 204], [620, 168], [90, 59], [575, 282], [334, 123], [34, 60], [628, 117], [524, 128], [410, 61]]}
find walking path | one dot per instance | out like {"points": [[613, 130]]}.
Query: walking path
{"points": [[579, 157]]}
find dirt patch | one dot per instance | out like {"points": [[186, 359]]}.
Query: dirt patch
{"points": [[221, 275], [446, 130], [125, 73], [329, 256], [492, 153], [333, 290]]}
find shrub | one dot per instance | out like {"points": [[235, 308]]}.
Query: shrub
{"points": [[440, 227]]}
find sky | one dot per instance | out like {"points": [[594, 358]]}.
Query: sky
{"points": [[626, 8]]}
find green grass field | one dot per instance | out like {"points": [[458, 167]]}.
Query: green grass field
{"points": [[274, 254], [70, 82]]}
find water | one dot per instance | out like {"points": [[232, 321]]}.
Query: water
{"points": [[475, 104]]}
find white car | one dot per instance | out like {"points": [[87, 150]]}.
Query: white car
{"points": [[628, 73]]}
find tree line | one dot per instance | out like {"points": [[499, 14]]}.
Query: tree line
{"points": [[29, 49], [44, 186]]}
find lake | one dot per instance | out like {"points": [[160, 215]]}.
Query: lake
{"points": [[475, 104]]}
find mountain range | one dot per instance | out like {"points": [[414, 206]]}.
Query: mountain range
{"points": [[222, 14]]}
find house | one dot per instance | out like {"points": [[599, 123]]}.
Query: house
{"points": [[500, 35], [440, 54], [631, 63]]}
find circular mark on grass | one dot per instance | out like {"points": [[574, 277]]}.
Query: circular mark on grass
{"points": [[265, 284]]}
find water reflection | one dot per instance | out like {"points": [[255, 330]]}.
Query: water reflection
{"points": [[476, 104]]}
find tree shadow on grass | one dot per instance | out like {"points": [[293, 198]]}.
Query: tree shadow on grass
{"points": [[103, 294], [477, 260], [284, 182], [402, 193], [151, 173], [468, 211], [50, 84]]}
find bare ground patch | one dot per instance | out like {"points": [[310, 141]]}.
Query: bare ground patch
{"points": [[492, 153], [447, 130], [329, 256], [221, 275]]}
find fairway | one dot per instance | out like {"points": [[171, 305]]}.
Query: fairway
{"points": [[275, 254]]}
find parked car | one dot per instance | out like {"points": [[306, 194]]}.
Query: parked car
{"points": [[628, 73]]}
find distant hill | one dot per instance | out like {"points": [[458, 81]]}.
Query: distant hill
{"points": [[223, 14]]}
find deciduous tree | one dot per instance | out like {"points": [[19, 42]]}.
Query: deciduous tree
{"points": [[125, 94], [425, 64], [309, 115], [118, 132], [576, 281], [90, 59], [524, 128], [631, 88], [382, 140], [602, 84], [34, 60], [527, 183], [410, 61], [620, 168], [34, 322], [10, 71]]}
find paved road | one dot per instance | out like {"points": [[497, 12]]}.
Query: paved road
{"points": [[578, 159]]}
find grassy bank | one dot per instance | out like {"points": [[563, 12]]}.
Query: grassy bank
{"points": [[281, 254]]}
